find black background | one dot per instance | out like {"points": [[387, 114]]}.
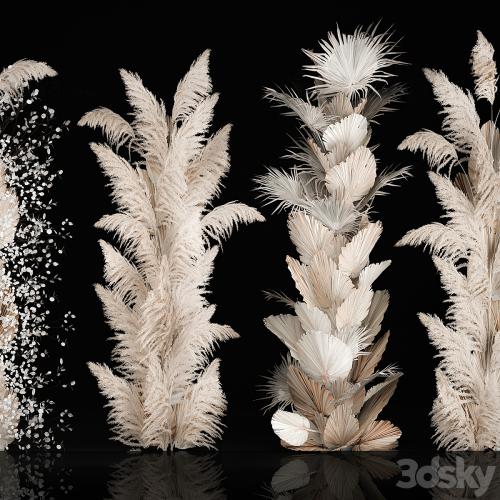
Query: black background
{"points": [[250, 50]]}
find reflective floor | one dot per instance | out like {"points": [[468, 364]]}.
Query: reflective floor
{"points": [[283, 475]]}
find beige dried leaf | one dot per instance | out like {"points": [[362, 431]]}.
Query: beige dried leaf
{"points": [[308, 395]]}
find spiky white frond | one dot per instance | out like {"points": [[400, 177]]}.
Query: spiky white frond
{"points": [[311, 116], [285, 189], [351, 64], [383, 102], [385, 179]]}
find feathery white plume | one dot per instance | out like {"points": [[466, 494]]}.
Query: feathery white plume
{"points": [[438, 151], [484, 69], [117, 130]]}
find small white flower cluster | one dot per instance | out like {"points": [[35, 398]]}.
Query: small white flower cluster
{"points": [[30, 262]]}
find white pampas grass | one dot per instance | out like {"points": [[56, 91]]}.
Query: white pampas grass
{"points": [[330, 337], [15, 77], [466, 412], [117, 130], [484, 69], [164, 170]]}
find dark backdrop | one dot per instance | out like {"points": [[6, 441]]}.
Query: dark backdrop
{"points": [[249, 51]]}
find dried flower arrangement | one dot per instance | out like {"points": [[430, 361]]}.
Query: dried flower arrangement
{"points": [[321, 387], [466, 253], [166, 391]]}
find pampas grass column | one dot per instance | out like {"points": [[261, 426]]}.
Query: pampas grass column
{"points": [[165, 172], [332, 331], [465, 160]]}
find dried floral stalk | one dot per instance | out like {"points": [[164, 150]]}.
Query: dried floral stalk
{"points": [[30, 246], [466, 252], [165, 172], [321, 388]]}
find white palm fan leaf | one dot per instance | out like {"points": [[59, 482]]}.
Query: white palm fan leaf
{"points": [[323, 356], [292, 428], [347, 135], [356, 174]]}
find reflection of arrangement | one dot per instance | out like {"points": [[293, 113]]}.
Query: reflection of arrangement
{"points": [[465, 160], [346, 476], [167, 476], [332, 333], [29, 253], [468, 475], [28, 476]]}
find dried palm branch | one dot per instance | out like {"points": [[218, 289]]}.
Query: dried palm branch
{"points": [[165, 392], [466, 412], [321, 389]]}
